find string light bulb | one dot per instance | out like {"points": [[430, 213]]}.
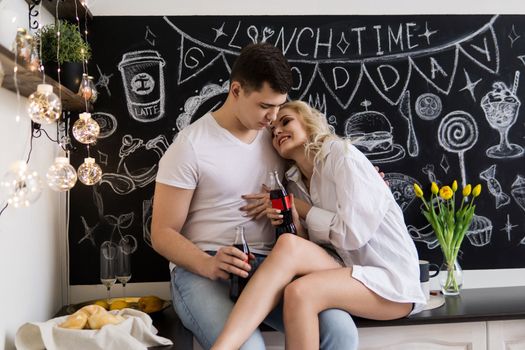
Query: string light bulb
{"points": [[94, 91], [34, 57], [22, 44], [44, 106], [86, 129], [21, 186], [84, 90], [61, 176], [89, 172], [87, 89]]}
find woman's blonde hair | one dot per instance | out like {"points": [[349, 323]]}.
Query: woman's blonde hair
{"points": [[317, 129]]}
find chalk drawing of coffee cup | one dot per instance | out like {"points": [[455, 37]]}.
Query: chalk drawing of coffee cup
{"points": [[143, 78]]}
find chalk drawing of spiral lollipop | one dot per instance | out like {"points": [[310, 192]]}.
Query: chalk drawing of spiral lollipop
{"points": [[457, 133]]}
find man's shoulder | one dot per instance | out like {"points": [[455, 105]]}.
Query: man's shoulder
{"points": [[197, 126]]}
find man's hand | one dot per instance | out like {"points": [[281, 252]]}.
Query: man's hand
{"points": [[228, 260]]}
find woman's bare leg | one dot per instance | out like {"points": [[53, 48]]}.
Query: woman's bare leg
{"points": [[292, 256], [307, 296]]}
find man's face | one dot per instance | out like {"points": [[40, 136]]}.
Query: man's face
{"points": [[256, 109]]}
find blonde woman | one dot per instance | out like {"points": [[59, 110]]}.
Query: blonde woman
{"points": [[352, 253]]}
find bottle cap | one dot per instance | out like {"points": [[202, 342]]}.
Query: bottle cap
{"points": [[89, 160]]}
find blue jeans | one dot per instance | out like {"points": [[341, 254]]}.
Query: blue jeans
{"points": [[204, 305]]}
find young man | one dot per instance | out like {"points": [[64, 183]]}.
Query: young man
{"points": [[198, 201]]}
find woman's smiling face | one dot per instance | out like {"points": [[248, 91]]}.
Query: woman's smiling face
{"points": [[288, 133]]}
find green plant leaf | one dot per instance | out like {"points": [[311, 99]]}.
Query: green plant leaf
{"points": [[72, 46]]}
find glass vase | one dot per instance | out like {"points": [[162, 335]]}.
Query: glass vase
{"points": [[450, 278]]}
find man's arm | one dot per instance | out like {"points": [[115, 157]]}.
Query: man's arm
{"points": [[170, 209]]}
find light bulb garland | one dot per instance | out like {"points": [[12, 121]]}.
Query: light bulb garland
{"points": [[44, 106], [21, 186], [34, 57], [61, 176], [87, 89], [86, 129], [89, 172], [22, 44]]}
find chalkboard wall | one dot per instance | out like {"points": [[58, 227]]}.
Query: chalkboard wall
{"points": [[434, 98]]}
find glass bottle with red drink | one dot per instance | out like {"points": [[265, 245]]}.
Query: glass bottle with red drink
{"points": [[237, 283], [281, 200]]}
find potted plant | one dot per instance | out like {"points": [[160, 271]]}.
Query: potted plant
{"points": [[73, 50]]}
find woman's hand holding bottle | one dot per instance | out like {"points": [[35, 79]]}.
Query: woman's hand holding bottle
{"points": [[276, 218]]}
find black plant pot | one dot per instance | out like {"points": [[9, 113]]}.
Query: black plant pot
{"points": [[70, 74]]}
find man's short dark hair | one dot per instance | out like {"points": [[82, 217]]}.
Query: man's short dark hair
{"points": [[259, 63]]}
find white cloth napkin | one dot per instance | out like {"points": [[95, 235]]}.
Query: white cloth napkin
{"points": [[136, 332]]}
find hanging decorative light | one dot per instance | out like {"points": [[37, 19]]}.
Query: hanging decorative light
{"points": [[61, 176], [44, 106], [86, 129], [84, 89], [34, 56], [22, 45], [89, 172], [21, 186], [87, 89], [94, 91]]}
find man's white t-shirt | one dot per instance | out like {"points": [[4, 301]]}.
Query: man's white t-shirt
{"points": [[221, 168]]}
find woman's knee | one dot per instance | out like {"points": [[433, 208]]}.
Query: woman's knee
{"points": [[297, 294], [287, 245]]}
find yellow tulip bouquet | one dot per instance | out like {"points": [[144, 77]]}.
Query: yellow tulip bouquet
{"points": [[450, 224]]}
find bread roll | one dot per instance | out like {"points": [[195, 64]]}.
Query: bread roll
{"points": [[93, 309], [100, 319], [90, 316], [75, 321]]}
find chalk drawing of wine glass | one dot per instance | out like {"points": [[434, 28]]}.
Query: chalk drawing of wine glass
{"points": [[457, 133], [501, 106]]}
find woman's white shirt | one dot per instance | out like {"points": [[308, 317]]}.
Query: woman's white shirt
{"points": [[354, 211]]}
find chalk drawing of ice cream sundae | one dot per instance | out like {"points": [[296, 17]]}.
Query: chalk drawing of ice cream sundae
{"points": [[501, 106]]}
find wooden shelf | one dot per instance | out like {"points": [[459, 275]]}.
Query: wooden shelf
{"points": [[28, 81], [66, 9]]}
